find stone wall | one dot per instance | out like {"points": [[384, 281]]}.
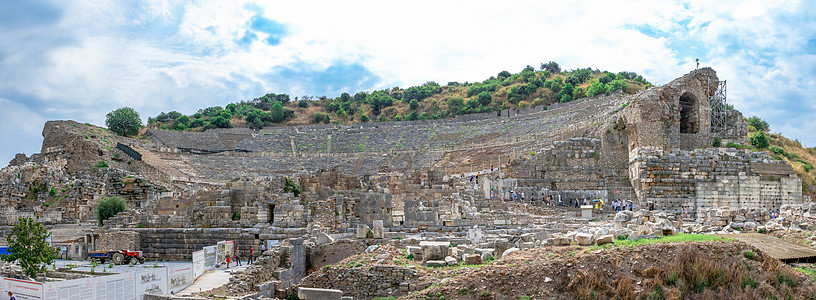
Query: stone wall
{"points": [[711, 178], [366, 283]]}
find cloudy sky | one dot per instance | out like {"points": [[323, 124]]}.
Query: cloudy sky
{"points": [[78, 60]]}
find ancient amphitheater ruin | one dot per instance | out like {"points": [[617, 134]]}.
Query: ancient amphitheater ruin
{"points": [[407, 185]]}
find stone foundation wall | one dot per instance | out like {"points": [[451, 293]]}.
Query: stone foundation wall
{"points": [[366, 283], [712, 178]]}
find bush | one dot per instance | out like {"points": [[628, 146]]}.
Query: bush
{"points": [[595, 88], [777, 150], [220, 122], [109, 207], [414, 104], [364, 118], [757, 123], [484, 98], [277, 112], [290, 186], [303, 103], [101, 164], [455, 103], [748, 254], [124, 121], [759, 140], [717, 142], [318, 118]]}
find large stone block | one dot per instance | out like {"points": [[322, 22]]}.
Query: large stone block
{"points": [[319, 294], [378, 229]]}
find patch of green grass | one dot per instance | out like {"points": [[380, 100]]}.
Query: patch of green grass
{"points": [[677, 238], [808, 271], [784, 278], [672, 278], [747, 280]]}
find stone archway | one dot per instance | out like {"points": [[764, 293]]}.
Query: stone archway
{"points": [[689, 122]]}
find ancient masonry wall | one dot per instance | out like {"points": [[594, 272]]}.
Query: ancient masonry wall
{"points": [[180, 243], [705, 179], [367, 283]]}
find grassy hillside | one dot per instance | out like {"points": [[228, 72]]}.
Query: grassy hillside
{"points": [[801, 159], [506, 90]]}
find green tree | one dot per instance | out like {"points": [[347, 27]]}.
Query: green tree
{"points": [[757, 123], [551, 66], [617, 84], [124, 121], [412, 116], [503, 74], [413, 104], [109, 207], [364, 118], [484, 98], [303, 103], [759, 140], [27, 242], [455, 103], [276, 112], [220, 122], [596, 88]]}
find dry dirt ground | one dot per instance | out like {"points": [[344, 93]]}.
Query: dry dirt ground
{"points": [[692, 270]]}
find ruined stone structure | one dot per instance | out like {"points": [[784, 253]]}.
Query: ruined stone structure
{"points": [[191, 189]]}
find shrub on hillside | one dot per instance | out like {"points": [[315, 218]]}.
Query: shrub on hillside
{"points": [[484, 98], [109, 207], [318, 118], [757, 123], [759, 140], [777, 150]]}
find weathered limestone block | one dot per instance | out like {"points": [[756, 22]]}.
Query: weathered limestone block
{"points": [[473, 259], [605, 239], [434, 250], [584, 239], [378, 229], [319, 294], [508, 251], [450, 260]]}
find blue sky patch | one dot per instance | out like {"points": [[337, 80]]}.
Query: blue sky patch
{"points": [[274, 30]]}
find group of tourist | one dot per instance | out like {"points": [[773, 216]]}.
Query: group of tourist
{"points": [[621, 205], [236, 257]]}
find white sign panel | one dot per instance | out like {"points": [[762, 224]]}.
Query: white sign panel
{"points": [[198, 263], [77, 289], [210, 257], [220, 253], [116, 287], [151, 281], [23, 289], [179, 277]]}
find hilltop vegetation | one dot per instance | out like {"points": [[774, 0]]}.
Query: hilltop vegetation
{"points": [[791, 151], [506, 90]]}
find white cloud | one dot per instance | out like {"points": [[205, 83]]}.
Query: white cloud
{"points": [[161, 56]]}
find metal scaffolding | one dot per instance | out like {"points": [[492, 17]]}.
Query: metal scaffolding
{"points": [[719, 111]]}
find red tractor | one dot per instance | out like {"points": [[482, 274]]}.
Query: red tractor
{"points": [[117, 257]]}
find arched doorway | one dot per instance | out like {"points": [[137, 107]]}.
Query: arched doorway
{"points": [[688, 113]]}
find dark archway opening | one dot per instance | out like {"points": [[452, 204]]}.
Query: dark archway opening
{"points": [[688, 114]]}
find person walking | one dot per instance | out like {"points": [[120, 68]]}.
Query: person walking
{"points": [[251, 253], [11, 296]]}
